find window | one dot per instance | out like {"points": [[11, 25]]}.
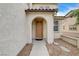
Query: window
{"points": [[56, 26], [72, 27]]}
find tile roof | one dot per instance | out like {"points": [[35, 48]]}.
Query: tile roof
{"points": [[41, 10]]}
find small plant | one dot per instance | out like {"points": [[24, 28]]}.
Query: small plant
{"points": [[76, 14]]}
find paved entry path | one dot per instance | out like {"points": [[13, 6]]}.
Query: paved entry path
{"points": [[39, 48]]}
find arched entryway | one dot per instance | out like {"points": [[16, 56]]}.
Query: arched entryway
{"points": [[39, 28], [48, 32]]}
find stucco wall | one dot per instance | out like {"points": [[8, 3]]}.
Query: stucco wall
{"points": [[44, 29], [33, 30], [12, 28], [67, 22], [57, 34], [44, 5], [78, 28]]}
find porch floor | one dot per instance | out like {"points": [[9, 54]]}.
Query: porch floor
{"points": [[39, 48]]}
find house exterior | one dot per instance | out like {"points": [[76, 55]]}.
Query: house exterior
{"points": [[68, 23], [70, 31], [40, 18], [22, 23], [13, 35], [58, 21]]}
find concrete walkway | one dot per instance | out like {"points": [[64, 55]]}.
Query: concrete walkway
{"points": [[39, 48]]}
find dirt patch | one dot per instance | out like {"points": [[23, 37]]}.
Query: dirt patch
{"points": [[55, 50], [26, 50]]}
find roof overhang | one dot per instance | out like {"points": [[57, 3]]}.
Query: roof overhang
{"points": [[59, 17], [41, 10], [69, 14]]}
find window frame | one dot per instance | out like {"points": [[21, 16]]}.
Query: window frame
{"points": [[56, 25]]}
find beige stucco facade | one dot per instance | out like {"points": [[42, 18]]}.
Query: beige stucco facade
{"points": [[70, 31], [42, 5], [67, 22], [48, 18], [57, 34], [13, 33], [16, 26], [60, 19]]}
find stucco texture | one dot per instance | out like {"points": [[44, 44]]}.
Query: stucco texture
{"points": [[12, 28]]}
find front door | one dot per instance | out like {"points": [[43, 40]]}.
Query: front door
{"points": [[39, 29]]}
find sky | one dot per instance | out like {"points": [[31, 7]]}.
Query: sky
{"points": [[64, 8]]}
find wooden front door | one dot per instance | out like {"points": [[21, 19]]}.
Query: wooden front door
{"points": [[39, 29]]}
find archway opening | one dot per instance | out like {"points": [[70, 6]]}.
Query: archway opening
{"points": [[39, 29]]}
